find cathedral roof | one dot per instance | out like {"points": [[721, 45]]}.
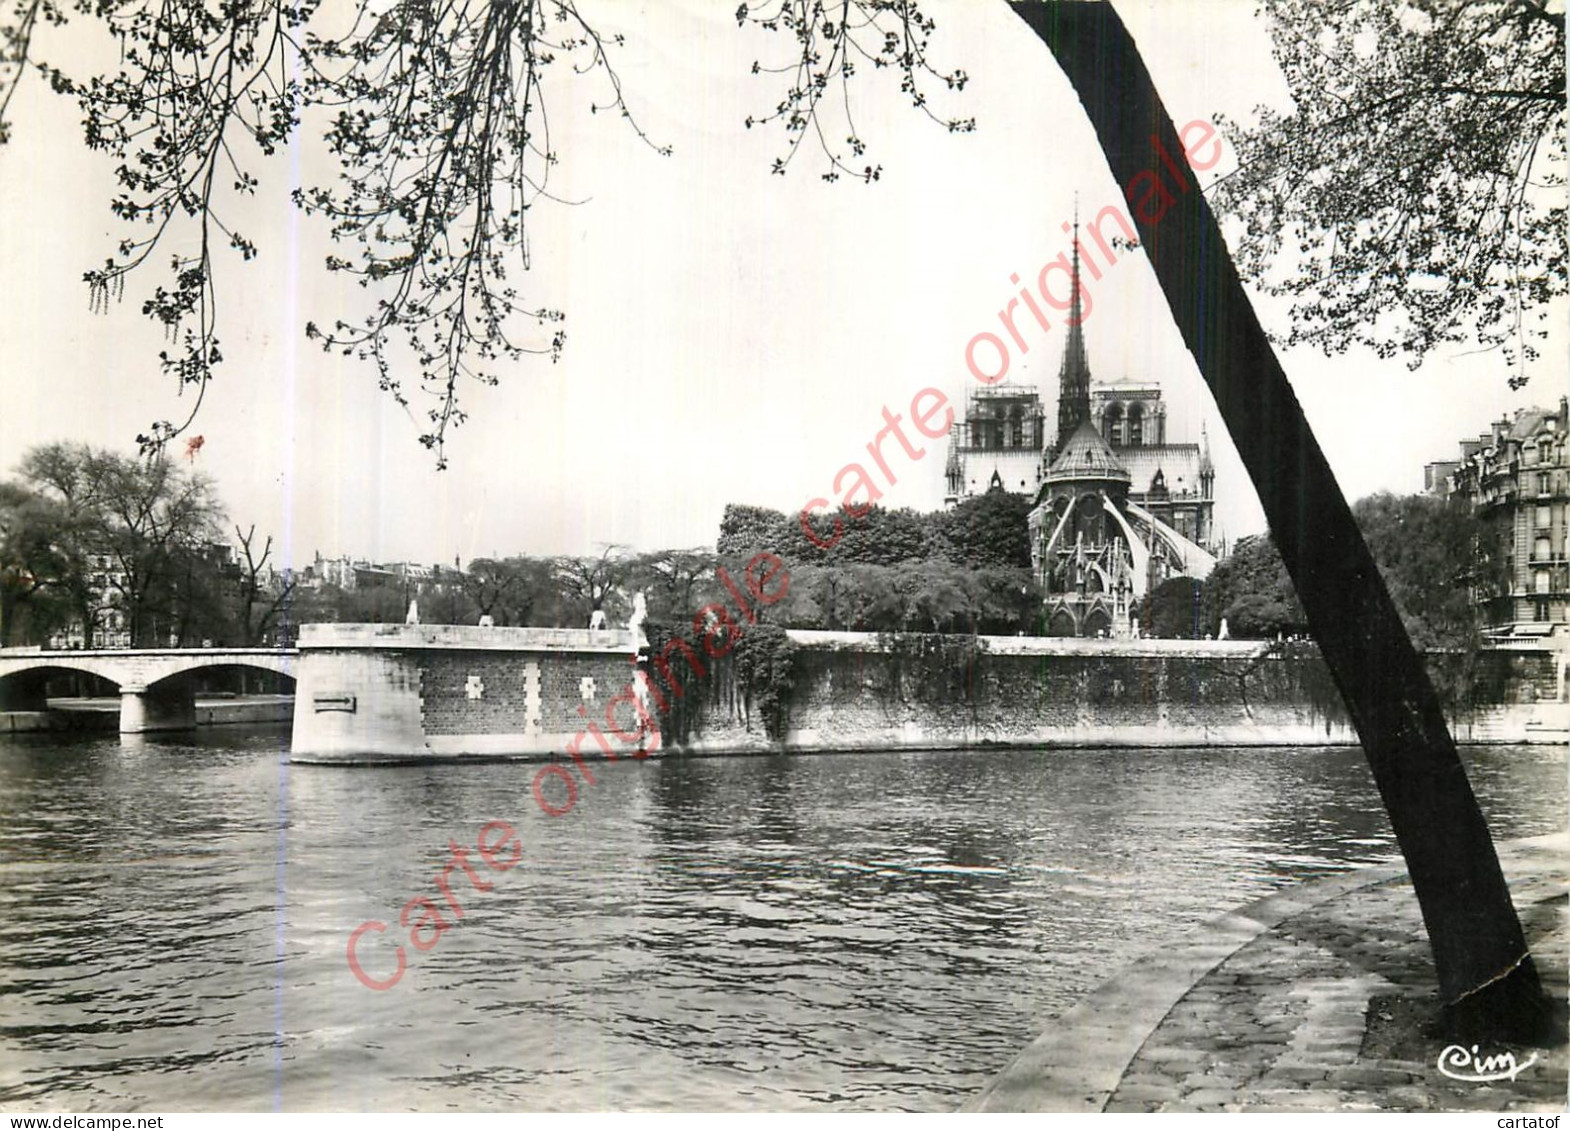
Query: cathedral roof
{"points": [[1180, 465], [1086, 456]]}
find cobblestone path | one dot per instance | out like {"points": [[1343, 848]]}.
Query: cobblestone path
{"points": [[1316, 999]]}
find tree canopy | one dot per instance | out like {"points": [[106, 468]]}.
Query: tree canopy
{"points": [[1433, 554], [434, 117], [132, 529], [1251, 592], [1413, 195]]}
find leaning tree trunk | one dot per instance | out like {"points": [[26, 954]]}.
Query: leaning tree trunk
{"points": [[1486, 977]]}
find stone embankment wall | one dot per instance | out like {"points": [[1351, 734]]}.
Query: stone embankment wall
{"points": [[376, 693], [379, 693], [854, 691]]}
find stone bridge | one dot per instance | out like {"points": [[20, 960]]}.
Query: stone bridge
{"points": [[157, 691]]}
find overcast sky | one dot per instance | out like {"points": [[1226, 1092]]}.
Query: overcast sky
{"points": [[732, 336]]}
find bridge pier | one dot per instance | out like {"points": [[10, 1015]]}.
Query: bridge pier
{"points": [[170, 708]]}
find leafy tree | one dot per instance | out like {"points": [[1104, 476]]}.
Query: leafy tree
{"points": [[368, 604], [1173, 609], [435, 118], [510, 589], [933, 597], [33, 568], [1432, 553], [1414, 194], [810, 600], [195, 597], [590, 584], [142, 519], [56, 475], [883, 537], [873, 601], [749, 530], [986, 530], [1253, 593], [672, 579], [446, 601], [1008, 602]]}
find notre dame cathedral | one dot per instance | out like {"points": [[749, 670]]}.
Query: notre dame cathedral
{"points": [[1118, 508]]}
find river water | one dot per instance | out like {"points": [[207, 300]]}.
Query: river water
{"points": [[868, 931]]}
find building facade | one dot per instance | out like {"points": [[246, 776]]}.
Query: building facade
{"points": [[1516, 477], [209, 574]]}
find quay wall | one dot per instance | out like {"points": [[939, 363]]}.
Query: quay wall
{"points": [[861, 692], [856, 691], [380, 693], [388, 693]]}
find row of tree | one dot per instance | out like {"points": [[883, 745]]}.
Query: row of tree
{"points": [[135, 551], [1434, 555], [987, 531], [101, 549], [106, 548]]}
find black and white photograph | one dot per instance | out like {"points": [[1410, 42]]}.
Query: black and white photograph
{"points": [[796, 556]]}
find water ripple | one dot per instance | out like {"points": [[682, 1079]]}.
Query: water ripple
{"points": [[873, 932]]}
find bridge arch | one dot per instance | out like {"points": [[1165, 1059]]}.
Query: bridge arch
{"points": [[187, 674], [25, 687], [157, 688]]}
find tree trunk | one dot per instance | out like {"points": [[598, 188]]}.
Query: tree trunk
{"points": [[1487, 980]]}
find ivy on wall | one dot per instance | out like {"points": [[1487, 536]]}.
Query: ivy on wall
{"points": [[935, 667], [755, 672]]}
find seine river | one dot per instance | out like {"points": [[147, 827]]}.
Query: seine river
{"points": [[877, 931]]}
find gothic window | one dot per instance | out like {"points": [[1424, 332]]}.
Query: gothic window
{"points": [[1112, 425], [1017, 428], [1136, 426]]}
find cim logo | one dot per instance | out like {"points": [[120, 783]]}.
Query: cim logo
{"points": [[1461, 1063]]}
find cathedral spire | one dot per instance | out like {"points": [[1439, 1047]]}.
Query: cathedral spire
{"points": [[1074, 376]]}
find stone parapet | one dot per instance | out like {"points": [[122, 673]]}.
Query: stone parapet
{"points": [[466, 637]]}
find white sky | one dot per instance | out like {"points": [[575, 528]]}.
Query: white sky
{"points": [[732, 336]]}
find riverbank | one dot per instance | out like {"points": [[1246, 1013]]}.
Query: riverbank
{"points": [[396, 693], [1316, 998], [103, 715], [849, 691]]}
